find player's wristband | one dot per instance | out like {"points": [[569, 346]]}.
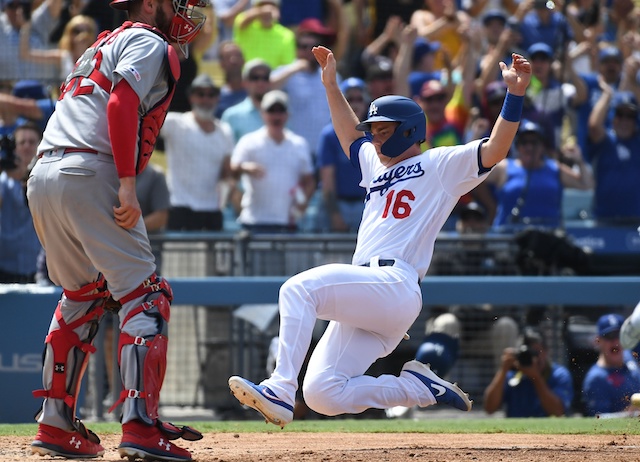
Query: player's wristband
{"points": [[512, 108]]}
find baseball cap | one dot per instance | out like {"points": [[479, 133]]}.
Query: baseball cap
{"points": [[609, 323], [422, 46], [252, 64], [494, 14], [31, 89], [432, 88], [352, 82], [272, 98], [202, 81], [540, 48], [529, 126], [625, 100], [495, 90], [314, 26], [610, 52], [381, 69], [472, 209]]}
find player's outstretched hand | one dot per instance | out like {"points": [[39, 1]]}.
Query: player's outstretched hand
{"points": [[518, 76], [327, 62]]}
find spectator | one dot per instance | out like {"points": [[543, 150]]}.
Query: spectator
{"points": [[611, 381], [529, 185], [26, 100], [549, 96], [609, 68], [385, 46], [481, 8], [225, 15], [442, 21], [542, 21], [15, 13], [380, 79], [245, 117], [260, 35], [276, 171], [615, 156], [233, 91], [19, 244], [342, 195], [307, 107], [78, 35], [527, 383], [198, 149]]}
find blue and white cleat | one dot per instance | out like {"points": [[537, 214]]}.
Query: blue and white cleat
{"points": [[629, 335], [444, 392], [262, 399]]}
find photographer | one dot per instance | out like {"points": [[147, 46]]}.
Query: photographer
{"points": [[19, 245], [528, 383]]}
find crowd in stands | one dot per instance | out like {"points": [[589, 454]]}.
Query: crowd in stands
{"points": [[249, 128]]}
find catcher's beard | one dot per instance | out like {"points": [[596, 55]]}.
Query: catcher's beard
{"points": [[162, 21]]}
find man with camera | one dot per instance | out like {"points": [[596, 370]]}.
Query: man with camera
{"points": [[528, 383], [19, 245]]}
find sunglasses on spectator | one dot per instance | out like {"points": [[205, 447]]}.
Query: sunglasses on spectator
{"points": [[305, 46], [205, 94], [355, 99], [435, 98], [80, 30], [612, 335], [259, 77], [276, 109], [626, 115], [529, 142]]}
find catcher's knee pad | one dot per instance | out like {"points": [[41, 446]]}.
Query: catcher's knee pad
{"points": [[68, 347], [143, 350]]}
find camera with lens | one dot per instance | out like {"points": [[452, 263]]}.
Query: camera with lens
{"points": [[541, 4], [7, 153], [525, 356]]}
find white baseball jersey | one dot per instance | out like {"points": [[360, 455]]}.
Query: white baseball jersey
{"points": [[136, 55], [407, 204]]}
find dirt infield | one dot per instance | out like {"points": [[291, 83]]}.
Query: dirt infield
{"points": [[375, 447]]}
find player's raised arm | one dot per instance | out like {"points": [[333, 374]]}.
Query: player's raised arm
{"points": [[517, 78], [342, 116]]}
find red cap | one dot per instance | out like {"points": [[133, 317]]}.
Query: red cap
{"points": [[431, 88], [314, 26]]}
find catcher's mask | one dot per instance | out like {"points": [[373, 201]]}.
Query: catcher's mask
{"points": [[186, 23]]}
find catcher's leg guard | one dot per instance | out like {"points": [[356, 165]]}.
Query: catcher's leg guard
{"points": [[143, 355], [66, 355]]}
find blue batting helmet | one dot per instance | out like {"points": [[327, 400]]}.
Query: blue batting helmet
{"points": [[440, 351], [392, 108]]}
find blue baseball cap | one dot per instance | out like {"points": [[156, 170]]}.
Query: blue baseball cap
{"points": [[540, 48], [494, 14], [422, 46], [609, 323], [610, 53], [30, 89], [352, 82]]}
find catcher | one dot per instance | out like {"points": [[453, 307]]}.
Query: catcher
{"points": [[83, 200]]}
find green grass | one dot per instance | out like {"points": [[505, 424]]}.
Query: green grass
{"points": [[569, 426]]}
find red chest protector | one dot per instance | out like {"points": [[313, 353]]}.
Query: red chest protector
{"points": [[152, 121]]}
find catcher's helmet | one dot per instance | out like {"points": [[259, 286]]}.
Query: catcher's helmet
{"points": [[440, 351], [392, 108], [186, 23]]}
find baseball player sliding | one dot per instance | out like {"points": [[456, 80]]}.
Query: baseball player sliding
{"points": [[373, 302], [83, 200]]}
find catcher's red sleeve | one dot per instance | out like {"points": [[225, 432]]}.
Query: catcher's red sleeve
{"points": [[122, 117]]}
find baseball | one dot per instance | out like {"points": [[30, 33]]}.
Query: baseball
{"points": [[635, 399]]}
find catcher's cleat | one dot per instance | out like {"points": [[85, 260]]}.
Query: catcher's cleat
{"points": [[149, 442], [262, 399], [54, 441], [629, 335], [444, 392]]}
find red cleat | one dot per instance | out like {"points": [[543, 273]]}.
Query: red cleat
{"points": [[54, 441], [149, 442]]}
